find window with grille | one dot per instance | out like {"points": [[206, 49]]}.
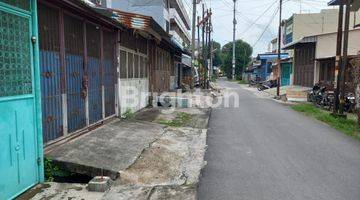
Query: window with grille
{"points": [[22, 4], [136, 66], [15, 60], [142, 72], [123, 67], [130, 65]]}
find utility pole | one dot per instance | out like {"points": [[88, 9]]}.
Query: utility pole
{"points": [[209, 53], [198, 33], [203, 42], [211, 47], [338, 58], [279, 52], [344, 62], [234, 33], [193, 37]]}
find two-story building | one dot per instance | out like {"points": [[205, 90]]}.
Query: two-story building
{"points": [[301, 32], [172, 16]]}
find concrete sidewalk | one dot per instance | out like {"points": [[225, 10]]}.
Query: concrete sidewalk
{"points": [[147, 160], [108, 149]]}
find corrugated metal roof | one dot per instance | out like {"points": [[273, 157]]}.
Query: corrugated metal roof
{"points": [[132, 20]]}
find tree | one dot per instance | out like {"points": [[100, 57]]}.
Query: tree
{"points": [[243, 52], [217, 54]]}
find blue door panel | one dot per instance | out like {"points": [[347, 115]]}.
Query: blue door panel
{"points": [[19, 150], [95, 90], [75, 94], [18, 147], [51, 95]]}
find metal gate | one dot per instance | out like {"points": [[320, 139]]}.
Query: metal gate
{"points": [[76, 80], [93, 46], [20, 119], [109, 72], [50, 70]]}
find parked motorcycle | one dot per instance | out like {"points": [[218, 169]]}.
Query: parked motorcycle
{"points": [[350, 102], [254, 82], [267, 85], [312, 94], [321, 97]]}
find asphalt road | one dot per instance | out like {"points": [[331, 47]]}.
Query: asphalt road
{"points": [[265, 151]]}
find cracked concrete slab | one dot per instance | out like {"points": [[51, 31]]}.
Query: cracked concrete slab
{"points": [[108, 149], [199, 116], [176, 158], [152, 193], [61, 191], [172, 165], [152, 160]]}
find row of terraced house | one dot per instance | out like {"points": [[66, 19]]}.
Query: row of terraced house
{"points": [[308, 49], [66, 66]]}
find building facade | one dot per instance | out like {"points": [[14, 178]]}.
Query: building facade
{"points": [[172, 16], [314, 57], [303, 25]]}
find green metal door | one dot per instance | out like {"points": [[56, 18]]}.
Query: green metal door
{"points": [[20, 130], [285, 74]]}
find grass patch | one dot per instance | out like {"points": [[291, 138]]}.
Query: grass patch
{"points": [[348, 126], [129, 115], [181, 119], [243, 82]]}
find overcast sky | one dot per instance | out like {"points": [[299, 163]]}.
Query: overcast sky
{"points": [[253, 16]]}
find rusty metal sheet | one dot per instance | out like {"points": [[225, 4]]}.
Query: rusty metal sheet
{"points": [[75, 76], [50, 73], [93, 45], [132, 20], [109, 74]]}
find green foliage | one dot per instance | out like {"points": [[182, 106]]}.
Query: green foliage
{"points": [[52, 170], [243, 82], [347, 126], [129, 114], [214, 78], [217, 61], [181, 119], [243, 52]]}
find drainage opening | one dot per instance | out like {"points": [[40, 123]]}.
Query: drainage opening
{"points": [[54, 172], [73, 178]]}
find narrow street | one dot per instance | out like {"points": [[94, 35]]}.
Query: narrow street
{"points": [[263, 151]]}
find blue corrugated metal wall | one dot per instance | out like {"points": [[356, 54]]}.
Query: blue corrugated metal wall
{"points": [[50, 71], [75, 96], [95, 94], [51, 95], [109, 80], [74, 66], [109, 70]]}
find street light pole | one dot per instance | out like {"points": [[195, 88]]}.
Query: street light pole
{"points": [[279, 52], [234, 33]]}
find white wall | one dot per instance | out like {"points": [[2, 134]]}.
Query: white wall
{"points": [[319, 23], [134, 94], [326, 44]]}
